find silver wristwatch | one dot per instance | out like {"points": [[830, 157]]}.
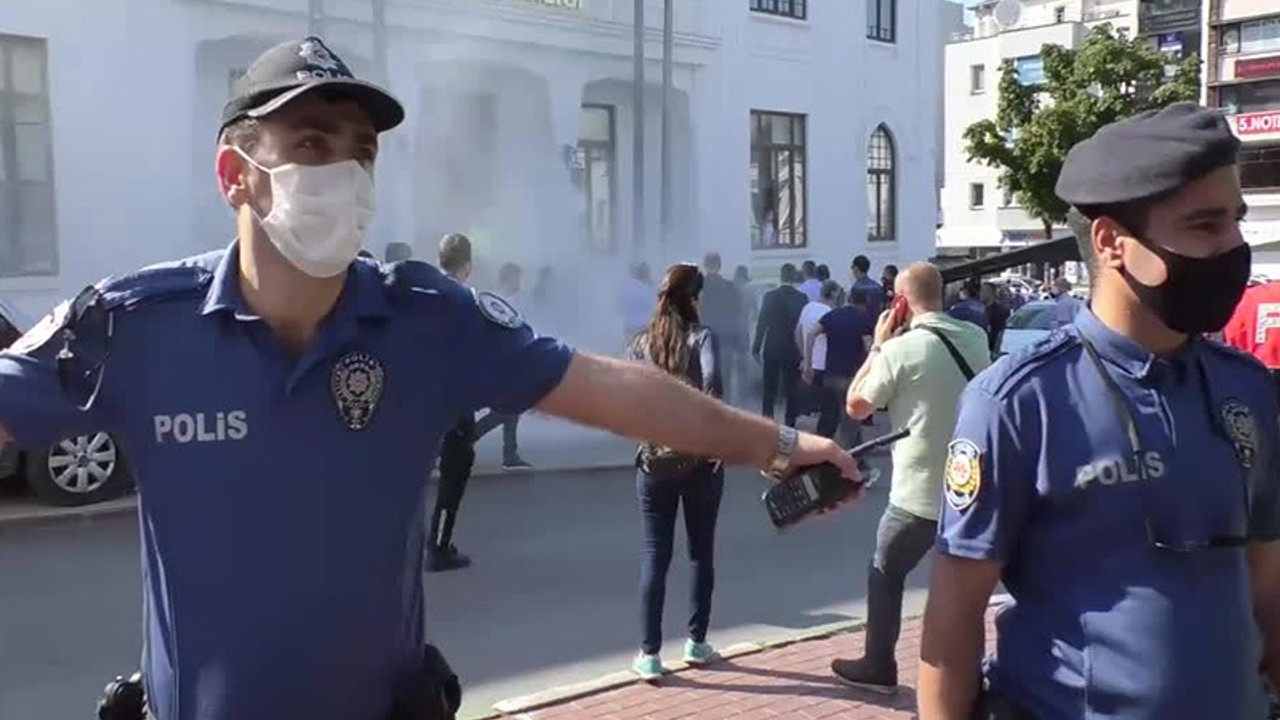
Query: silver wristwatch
{"points": [[781, 461]]}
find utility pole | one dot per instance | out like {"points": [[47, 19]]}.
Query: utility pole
{"points": [[637, 161], [668, 46], [380, 41], [315, 17]]}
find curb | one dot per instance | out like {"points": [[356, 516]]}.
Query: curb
{"points": [[518, 706], [491, 471], [38, 515], [574, 691]]}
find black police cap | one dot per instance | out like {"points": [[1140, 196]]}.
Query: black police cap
{"points": [[1146, 155], [296, 67]]}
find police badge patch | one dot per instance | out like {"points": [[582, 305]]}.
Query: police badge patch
{"points": [[498, 311], [1242, 428], [43, 331], [963, 474], [357, 383]]}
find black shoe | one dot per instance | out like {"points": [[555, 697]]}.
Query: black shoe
{"points": [[445, 559], [515, 464], [859, 674]]}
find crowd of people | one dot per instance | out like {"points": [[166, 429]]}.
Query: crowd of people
{"points": [[1120, 478]]}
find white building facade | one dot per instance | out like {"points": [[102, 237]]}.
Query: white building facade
{"points": [[800, 130], [979, 216], [1242, 76]]}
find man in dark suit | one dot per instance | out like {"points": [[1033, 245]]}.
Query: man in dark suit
{"points": [[721, 309], [775, 343]]}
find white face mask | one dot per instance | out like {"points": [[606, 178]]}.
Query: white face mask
{"points": [[319, 214]]}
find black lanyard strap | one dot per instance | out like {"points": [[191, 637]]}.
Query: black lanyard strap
{"points": [[1120, 402]]}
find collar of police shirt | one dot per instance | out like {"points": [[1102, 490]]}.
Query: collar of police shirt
{"points": [[1130, 357]]}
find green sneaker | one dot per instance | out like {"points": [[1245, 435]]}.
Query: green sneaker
{"points": [[699, 653], [648, 667]]}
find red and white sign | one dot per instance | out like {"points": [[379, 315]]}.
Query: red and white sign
{"points": [[1259, 123], [1258, 67]]}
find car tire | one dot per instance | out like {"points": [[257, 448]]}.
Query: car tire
{"points": [[80, 470]]}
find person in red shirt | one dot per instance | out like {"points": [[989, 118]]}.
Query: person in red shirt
{"points": [[1254, 327]]}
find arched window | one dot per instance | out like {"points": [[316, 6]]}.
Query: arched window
{"points": [[882, 196]]}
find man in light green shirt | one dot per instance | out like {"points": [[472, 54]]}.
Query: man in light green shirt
{"points": [[917, 370]]}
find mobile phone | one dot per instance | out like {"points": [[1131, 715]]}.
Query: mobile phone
{"points": [[818, 487], [899, 309]]}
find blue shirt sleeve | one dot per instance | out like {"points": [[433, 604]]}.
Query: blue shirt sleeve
{"points": [[33, 407], [512, 369], [989, 482]]}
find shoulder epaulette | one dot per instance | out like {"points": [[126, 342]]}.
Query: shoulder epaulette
{"points": [[155, 284], [415, 276], [1236, 354], [1008, 373]]}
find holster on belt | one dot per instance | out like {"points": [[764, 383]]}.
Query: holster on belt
{"points": [[435, 694], [989, 706]]}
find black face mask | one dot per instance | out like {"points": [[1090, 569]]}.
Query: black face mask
{"points": [[1199, 294]]}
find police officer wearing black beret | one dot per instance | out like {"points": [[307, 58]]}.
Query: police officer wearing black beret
{"points": [[1121, 476]]}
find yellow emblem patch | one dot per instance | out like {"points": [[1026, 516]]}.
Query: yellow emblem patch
{"points": [[964, 473]]}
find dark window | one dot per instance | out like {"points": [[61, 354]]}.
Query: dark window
{"points": [[778, 190], [977, 195], [882, 193], [1250, 97], [594, 166], [1260, 167], [882, 20], [28, 227], [786, 8]]}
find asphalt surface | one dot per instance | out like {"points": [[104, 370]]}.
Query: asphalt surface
{"points": [[551, 599]]}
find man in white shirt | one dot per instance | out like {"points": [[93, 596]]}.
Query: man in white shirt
{"points": [[811, 286], [813, 344]]}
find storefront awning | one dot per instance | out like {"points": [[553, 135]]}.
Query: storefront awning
{"points": [[1052, 251]]}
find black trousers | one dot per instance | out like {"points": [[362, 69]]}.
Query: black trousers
{"points": [[781, 372], [457, 458]]}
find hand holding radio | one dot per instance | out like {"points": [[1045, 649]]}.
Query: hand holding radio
{"points": [[818, 488]]}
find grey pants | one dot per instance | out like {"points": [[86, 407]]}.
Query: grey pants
{"points": [[902, 540]]}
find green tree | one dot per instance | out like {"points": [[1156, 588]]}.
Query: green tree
{"points": [[1109, 77]]}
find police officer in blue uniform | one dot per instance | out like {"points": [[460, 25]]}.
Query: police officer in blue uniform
{"points": [[1120, 477], [274, 398]]}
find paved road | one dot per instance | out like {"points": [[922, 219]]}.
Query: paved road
{"points": [[551, 599]]}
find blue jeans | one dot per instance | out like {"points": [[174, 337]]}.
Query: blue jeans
{"points": [[660, 500]]}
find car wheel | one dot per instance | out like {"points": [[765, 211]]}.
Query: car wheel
{"points": [[79, 471]]}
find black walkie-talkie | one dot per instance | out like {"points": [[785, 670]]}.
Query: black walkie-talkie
{"points": [[818, 487]]}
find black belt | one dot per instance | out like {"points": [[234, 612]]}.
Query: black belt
{"points": [[432, 694]]}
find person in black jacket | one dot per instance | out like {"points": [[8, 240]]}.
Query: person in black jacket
{"points": [[679, 344], [775, 344], [721, 309]]}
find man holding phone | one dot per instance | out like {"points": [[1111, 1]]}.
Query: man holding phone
{"points": [[920, 361]]}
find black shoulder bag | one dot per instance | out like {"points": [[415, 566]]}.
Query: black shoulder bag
{"points": [[951, 348]]}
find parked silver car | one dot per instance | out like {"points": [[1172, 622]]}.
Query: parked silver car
{"points": [[1027, 324], [74, 471]]}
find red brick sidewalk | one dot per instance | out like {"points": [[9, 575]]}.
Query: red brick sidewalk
{"points": [[793, 681]]}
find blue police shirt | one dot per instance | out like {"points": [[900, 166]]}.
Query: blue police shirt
{"points": [[874, 292], [282, 500], [1041, 477], [971, 310]]}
